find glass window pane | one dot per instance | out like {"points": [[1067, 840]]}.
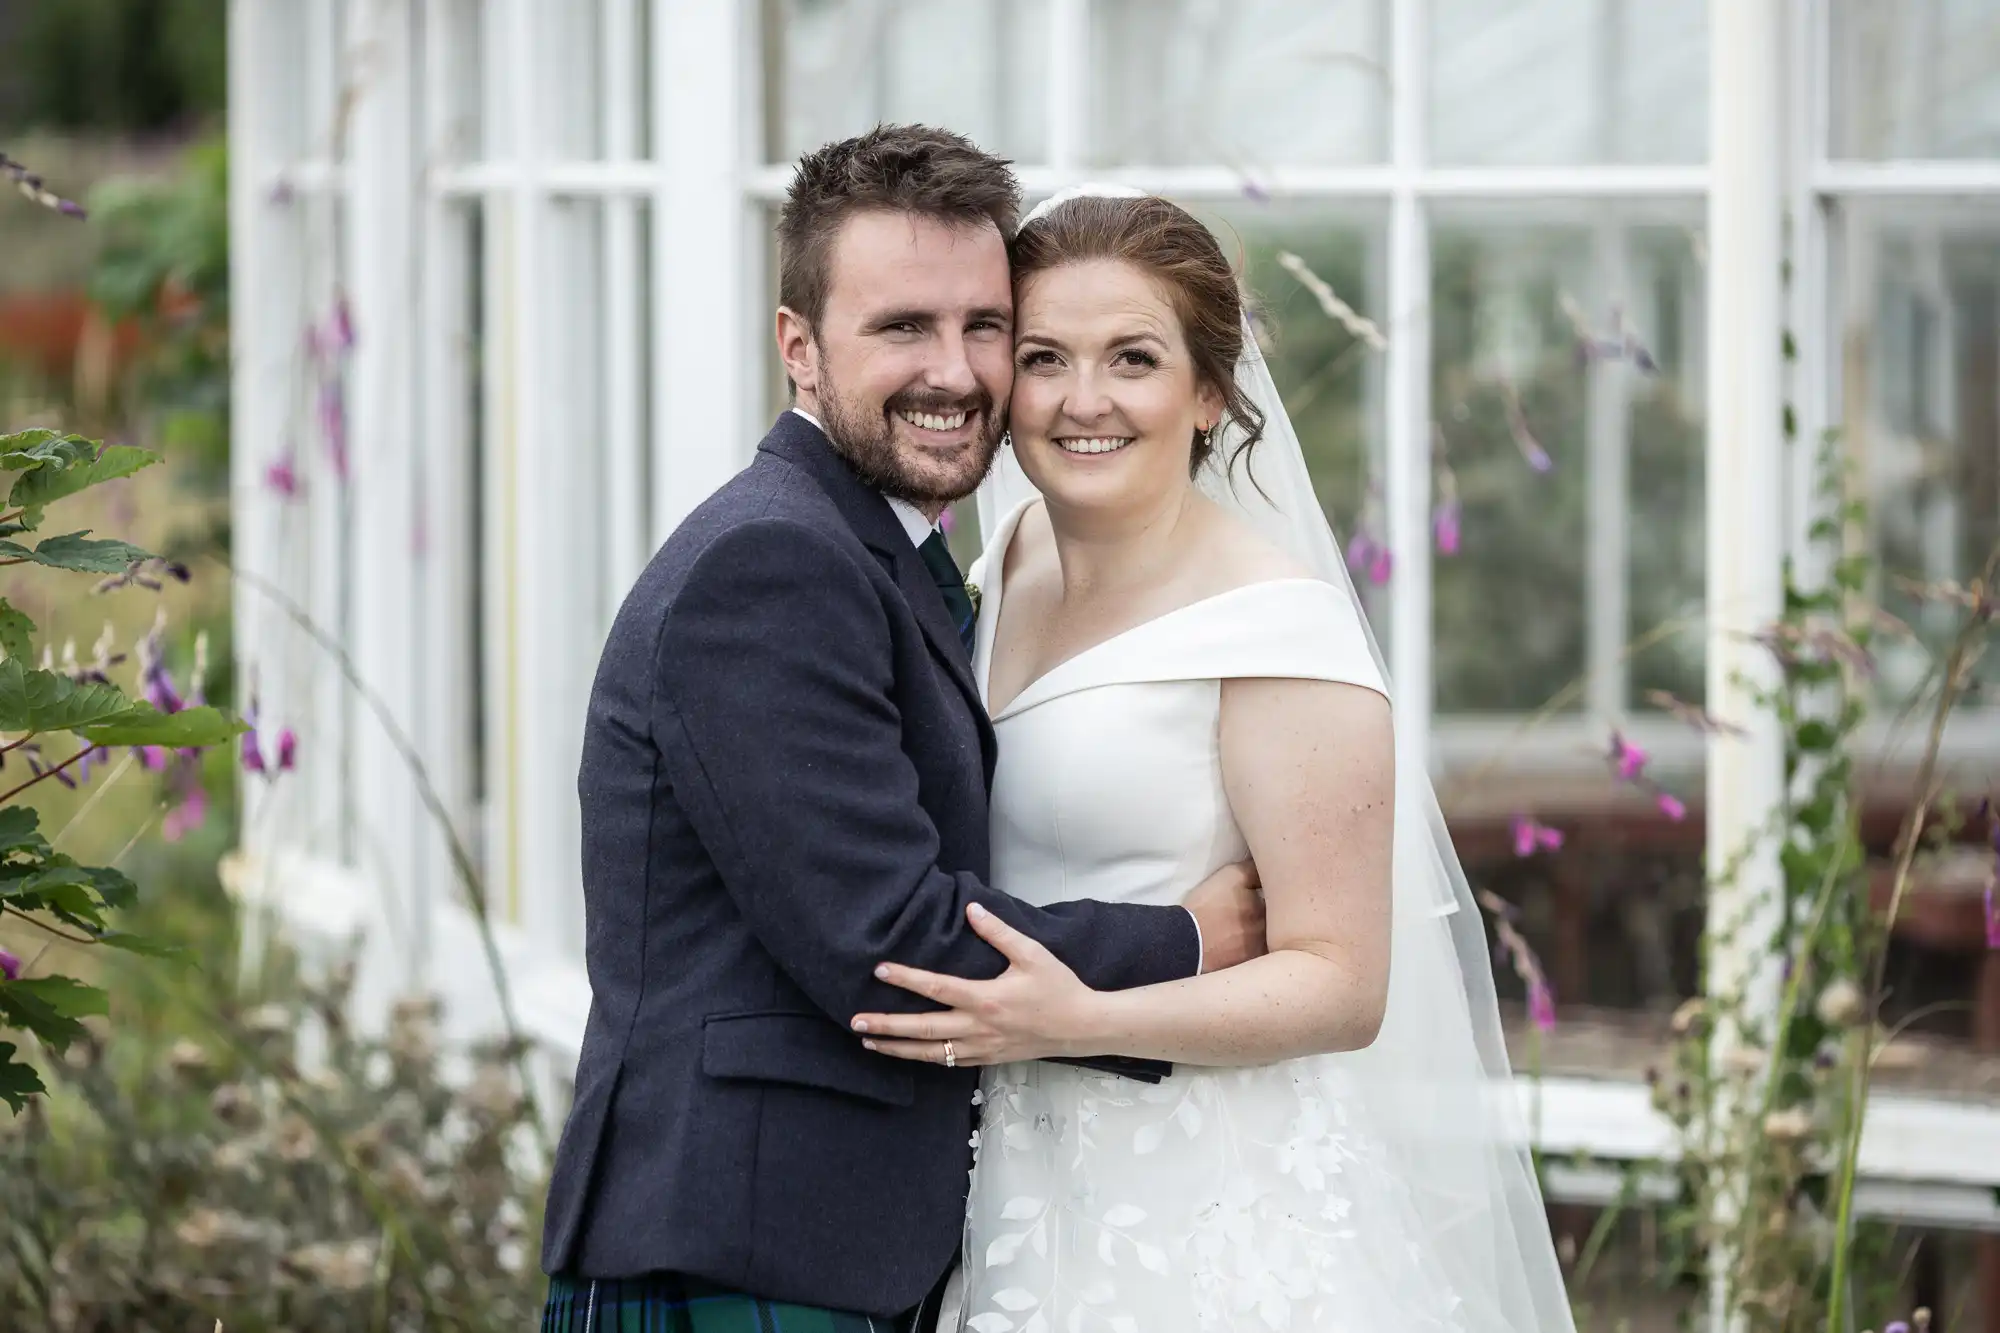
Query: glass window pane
{"points": [[1921, 416], [1916, 79], [1246, 84], [1561, 347], [1568, 82], [836, 67], [570, 83], [458, 28]]}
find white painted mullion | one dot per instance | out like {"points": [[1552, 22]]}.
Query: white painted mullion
{"points": [[1407, 486], [702, 381], [1669, 184], [1608, 506], [327, 766], [263, 271], [624, 497], [1745, 494], [380, 259], [447, 581], [1971, 178], [1069, 95], [1807, 309], [533, 587]]}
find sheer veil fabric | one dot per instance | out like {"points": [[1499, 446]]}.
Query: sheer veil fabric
{"points": [[1438, 1075]]}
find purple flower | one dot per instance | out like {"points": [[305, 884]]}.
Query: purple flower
{"points": [[10, 966], [946, 521], [343, 325], [1531, 836], [283, 477], [253, 753], [1630, 759], [1370, 558], [1542, 1005], [1255, 192], [187, 816], [152, 758], [333, 424], [1992, 912], [288, 750], [33, 186], [1445, 526], [1524, 439], [1670, 806], [1896, 1326], [159, 689]]}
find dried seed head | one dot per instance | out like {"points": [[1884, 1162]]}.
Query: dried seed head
{"points": [[1840, 1004]]}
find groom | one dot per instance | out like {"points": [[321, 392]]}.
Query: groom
{"points": [[784, 784]]}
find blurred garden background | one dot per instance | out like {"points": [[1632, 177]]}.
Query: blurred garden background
{"points": [[442, 312]]}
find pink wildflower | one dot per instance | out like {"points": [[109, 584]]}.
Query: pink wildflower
{"points": [[10, 966], [187, 816], [1445, 526], [1630, 759], [282, 477], [1542, 1004], [1531, 836]]}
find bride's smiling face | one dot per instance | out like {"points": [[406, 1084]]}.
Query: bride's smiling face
{"points": [[1106, 400]]}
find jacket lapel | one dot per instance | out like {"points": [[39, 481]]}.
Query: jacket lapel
{"points": [[799, 442]]}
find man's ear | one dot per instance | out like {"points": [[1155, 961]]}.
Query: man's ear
{"points": [[797, 350]]}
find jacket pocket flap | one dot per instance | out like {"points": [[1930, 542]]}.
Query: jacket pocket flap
{"points": [[801, 1049]]}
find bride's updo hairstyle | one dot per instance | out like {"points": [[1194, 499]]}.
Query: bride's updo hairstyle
{"points": [[1165, 241]]}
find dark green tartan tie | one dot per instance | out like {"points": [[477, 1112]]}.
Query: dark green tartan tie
{"points": [[951, 586]]}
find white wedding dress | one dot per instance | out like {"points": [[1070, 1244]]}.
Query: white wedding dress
{"points": [[1258, 1198]]}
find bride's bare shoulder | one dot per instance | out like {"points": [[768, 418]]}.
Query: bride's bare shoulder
{"points": [[1237, 553], [1032, 543]]}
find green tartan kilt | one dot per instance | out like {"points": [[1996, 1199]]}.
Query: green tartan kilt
{"points": [[671, 1303]]}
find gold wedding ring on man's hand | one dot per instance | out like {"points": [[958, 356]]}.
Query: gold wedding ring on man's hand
{"points": [[950, 1056]]}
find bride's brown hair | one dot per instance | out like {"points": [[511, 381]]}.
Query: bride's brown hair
{"points": [[1168, 243]]}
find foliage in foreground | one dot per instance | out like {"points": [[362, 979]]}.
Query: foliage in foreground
{"points": [[84, 710], [217, 1166]]}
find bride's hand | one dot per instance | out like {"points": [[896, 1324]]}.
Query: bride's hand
{"points": [[1037, 1008]]}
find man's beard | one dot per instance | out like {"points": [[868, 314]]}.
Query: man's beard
{"points": [[868, 443]]}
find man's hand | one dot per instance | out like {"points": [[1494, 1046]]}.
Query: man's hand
{"points": [[1229, 909]]}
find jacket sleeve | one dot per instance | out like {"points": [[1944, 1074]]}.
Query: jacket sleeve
{"points": [[775, 712]]}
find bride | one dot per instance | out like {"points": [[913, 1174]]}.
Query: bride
{"points": [[1180, 677]]}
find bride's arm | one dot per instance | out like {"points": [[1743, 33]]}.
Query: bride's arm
{"points": [[1309, 768]]}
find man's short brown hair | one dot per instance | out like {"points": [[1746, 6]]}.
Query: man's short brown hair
{"points": [[894, 169]]}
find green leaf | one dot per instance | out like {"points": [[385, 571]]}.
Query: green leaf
{"points": [[74, 551], [1815, 736], [16, 631], [30, 450], [1851, 572], [46, 701], [20, 828], [64, 995], [58, 480], [143, 945], [142, 724], [50, 1007], [18, 1081]]}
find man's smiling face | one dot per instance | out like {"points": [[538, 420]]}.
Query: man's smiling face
{"points": [[910, 367]]}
